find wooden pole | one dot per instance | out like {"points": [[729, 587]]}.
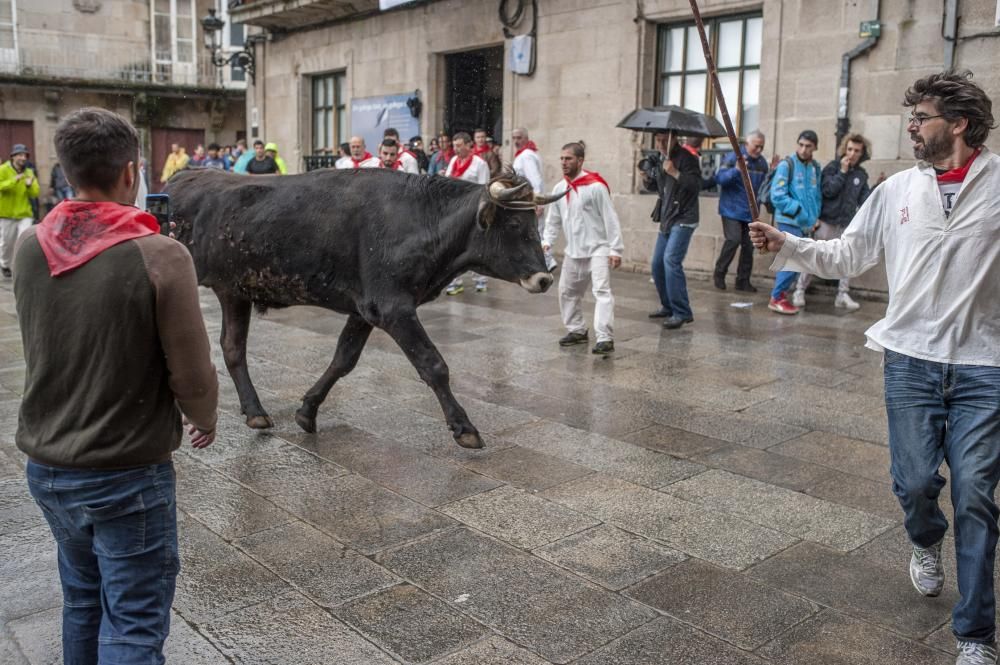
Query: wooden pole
{"points": [[740, 162]]}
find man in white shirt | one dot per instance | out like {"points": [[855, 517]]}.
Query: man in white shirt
{"points": [[388, 155], [360, 157], [471, 168], [406, 158], [528, 165], [593, 248], [939, 225]]}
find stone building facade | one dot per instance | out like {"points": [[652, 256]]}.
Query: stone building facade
{"points": [[59, 55], [595, 61]]}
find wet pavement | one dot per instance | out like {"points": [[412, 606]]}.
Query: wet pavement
{"points": [[713, 495]]}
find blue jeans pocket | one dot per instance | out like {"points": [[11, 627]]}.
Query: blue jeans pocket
{"points": [[119, 527], [59, 533]]}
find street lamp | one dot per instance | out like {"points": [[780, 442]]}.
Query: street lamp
{"points": [[212, 26]]}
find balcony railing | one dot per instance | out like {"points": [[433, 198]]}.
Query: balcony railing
{"points": [[313, 162]]}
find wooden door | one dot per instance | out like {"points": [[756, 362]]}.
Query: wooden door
{"points": [[162, 138], [13, 132]]}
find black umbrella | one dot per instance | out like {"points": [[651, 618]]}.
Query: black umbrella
{"points": [[672, 119]]}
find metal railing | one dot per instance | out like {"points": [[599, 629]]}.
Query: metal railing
{"points": [[313, 162]]}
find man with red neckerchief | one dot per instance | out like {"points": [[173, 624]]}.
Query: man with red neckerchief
{"points": [[441, 158], [939, 226], [466, 166], [484, 151], [593, 248], [408, 161], [115, 352], [360, 157], [388, 154], [528, 165]]}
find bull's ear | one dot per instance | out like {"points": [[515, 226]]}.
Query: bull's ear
{"points": [[486, 213]]}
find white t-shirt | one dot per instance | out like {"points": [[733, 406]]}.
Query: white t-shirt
{"points": [[348, 163], [528, 165], [587, 218], [478, 171], [410, 163]]}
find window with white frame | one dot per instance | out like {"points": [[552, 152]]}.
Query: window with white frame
{"points": [[174, 34], [8, 35], [682, 74], [329, 113]]}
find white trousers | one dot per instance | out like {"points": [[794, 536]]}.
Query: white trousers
{"points": [[573, 284], [825, 232], [9, 230]]}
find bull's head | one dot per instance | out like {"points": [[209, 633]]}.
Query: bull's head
{"points": [[512, 246]]}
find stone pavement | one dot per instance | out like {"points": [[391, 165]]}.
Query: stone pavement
{"points": [[714, 495]]}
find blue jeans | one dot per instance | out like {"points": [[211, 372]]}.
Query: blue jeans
{"points": [[668, 271], [116, 533], [785, 279], [949, 412]]}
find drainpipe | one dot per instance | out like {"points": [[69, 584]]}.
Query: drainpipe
{"points": [[950, 32], [843, 120]]}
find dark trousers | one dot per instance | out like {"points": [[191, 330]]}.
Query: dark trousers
{"points": [[737, 237]]}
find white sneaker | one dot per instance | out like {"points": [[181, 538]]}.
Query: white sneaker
{"points": [[799, 298], [846, 301], [976, 653], [926, 571]]}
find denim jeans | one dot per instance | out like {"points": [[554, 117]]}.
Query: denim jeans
{"points": [[116, 533], [785, 279], [950, 413], [668, 271]]}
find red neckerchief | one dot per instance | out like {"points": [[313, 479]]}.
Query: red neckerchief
{"points": [[446, 155], [364, 158], [396, 165], [461, 167], [585, 179], [479, 150], [958, 175], [530, 145], [691, 149], [77, 231]]}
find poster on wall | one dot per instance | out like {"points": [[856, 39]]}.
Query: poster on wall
{"points": [[371, 116]]}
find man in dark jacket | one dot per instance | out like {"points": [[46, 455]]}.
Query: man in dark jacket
{"points": [[678, 182], [115, 351], [845, 188], [735, 210]]}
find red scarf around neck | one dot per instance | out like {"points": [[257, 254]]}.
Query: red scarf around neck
{"points": [[958, 175], [77, 231], [364, 158], [446, 155], [530, 145], [398, 165], [479, 150], [461, 166], [585, 179]]}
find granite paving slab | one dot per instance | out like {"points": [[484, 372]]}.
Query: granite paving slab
{"points": [[672, 441], [857, 587], [831, 638], [610, 557], [518, 595], [405, 621], [517, 517], [765, 466], [708, 534], [791, 512], [525, 468], [316, 564], [723, 603], [290, 629], [28, 573], [859, 458], [493, 651]]}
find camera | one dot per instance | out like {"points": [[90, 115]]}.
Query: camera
{"points": [[651, 163], [158, 205]]}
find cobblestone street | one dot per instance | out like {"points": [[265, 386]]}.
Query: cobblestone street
{"points": [[716, 495]]}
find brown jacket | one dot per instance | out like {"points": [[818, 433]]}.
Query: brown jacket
{"points": [[115, 351]]}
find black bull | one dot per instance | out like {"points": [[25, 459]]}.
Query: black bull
{"points": [[371, 244]]}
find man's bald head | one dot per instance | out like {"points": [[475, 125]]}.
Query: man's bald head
{"points": [[357, 147]]}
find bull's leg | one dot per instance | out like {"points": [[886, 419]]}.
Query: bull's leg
{"points": [[235, 326], [349, 346], [411, 337]]}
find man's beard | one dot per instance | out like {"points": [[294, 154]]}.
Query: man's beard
{"points": [[932, 149]]}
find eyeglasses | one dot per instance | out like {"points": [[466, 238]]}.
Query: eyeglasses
{"points": [[919, 120]]}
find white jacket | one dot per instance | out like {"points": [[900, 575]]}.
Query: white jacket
{"points": [[478, 170], [944, 273], [528, 165], [588, 219]]}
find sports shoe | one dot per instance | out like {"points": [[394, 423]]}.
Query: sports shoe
{"points": [[926, 571], [846, 301], [573, 338], [454, 289], [799, 298], [603, 348], [782, 306], [976, 653], [480, 285]]}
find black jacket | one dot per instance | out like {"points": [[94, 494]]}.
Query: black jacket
{"points": [[678, 200], [843, 193]]}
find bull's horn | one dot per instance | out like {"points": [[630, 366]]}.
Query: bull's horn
{"points": [[501, 194], [541, 200]]}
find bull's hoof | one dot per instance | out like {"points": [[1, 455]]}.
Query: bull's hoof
{"points": [[259, 422], [306, 422], [469, 440]]}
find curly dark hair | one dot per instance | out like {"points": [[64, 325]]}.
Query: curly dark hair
{"points": [[955, 96]]}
